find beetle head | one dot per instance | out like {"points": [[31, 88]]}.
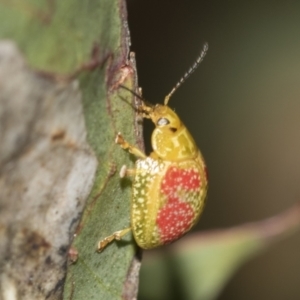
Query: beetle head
{"points": [[170, 138]]}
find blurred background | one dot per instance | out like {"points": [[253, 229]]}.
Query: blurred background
{"points": [[242, 105]]}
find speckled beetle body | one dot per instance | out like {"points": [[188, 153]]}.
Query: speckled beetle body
{"points": [[169, 186], [168, 198]]}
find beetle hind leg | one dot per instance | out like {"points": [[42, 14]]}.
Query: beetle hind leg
{"points": [[115, 236]]}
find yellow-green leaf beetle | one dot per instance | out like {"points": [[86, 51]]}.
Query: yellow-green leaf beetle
{"points": [[169, 186]]}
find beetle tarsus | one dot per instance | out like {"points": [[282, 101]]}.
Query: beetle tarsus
{"points": [[123, 171], [115, 236]]}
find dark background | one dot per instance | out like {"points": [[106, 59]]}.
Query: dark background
{"points": [[242, 105]]}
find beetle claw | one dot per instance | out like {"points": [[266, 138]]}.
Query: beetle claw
{"points": [[119, 138]]}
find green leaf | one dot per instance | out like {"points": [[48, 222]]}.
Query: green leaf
{"points": [[58, 36], [104, 274], [87, 40]]}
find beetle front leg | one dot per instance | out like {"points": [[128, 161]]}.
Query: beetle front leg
{"points": [[126, 146], [115, 236]]}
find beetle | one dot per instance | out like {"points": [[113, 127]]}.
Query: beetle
{"points": [[169, 186]]}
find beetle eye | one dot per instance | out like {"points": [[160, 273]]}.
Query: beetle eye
{"points": [[163, 122]]}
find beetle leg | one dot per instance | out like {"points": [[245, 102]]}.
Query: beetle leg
{"points": [[126, 172], [115, 236], [125, 145]]}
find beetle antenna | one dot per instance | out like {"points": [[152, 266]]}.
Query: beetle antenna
{"points": [[136, 95], [188, 73], [132, 92]]}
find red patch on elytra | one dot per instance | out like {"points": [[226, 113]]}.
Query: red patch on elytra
{"points": [[175, 178], [176, 216], [174, 219]]}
